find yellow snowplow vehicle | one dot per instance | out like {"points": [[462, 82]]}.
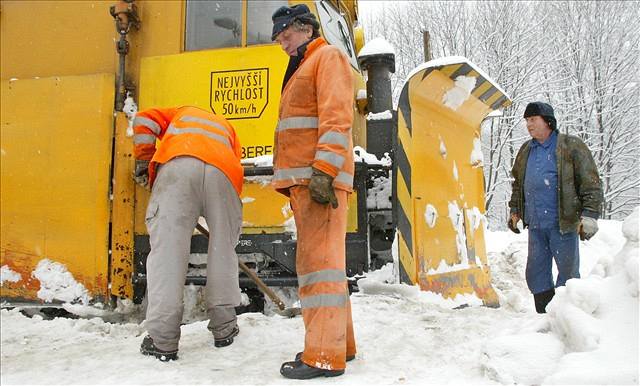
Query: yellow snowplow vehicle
{"points": [[73, 220]]}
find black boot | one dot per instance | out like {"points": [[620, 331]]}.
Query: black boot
{"points": [[224, 342], [300, 370], [149, 348], [542, 299]]}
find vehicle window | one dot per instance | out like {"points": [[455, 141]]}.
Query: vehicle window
{"points": [[259, 24], [336, 30], [213, 24]]}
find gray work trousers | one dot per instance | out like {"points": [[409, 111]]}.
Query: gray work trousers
{"points": [[185, 189]]}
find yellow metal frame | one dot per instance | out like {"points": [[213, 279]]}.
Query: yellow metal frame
{"points": [[56, 156], [55, 186], [122, 212]]}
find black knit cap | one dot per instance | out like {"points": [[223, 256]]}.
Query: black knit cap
{"points": [[284, 16], [542, 109]]}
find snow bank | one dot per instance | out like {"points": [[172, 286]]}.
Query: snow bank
{"points": [[404, 336], [57, 283], [592, 335], [522, 359], [604, 344], [7, 274], [597, 255], [569, 316], [386, 274], [627, 260], [85, 311], [631, 227]]}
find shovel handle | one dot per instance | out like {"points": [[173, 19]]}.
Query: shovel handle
{"points": [[263, 287]]}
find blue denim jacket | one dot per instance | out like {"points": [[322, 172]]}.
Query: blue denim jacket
{"points": [[541, 184]]}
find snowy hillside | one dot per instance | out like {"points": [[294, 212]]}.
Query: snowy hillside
{"points": [[589, 336]]}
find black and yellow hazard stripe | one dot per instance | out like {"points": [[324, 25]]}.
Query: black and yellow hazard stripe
{"points": [[484, 90], [402, 188]]}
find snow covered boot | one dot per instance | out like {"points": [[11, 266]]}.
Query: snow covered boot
{"points": [[149, 348], [300, 370], [227, 340], [542, 299]]}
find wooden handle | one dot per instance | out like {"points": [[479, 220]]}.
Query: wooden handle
{"points": [[263, 287]]}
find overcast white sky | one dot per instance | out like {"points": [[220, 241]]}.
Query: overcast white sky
{"points": [[367, 7]]}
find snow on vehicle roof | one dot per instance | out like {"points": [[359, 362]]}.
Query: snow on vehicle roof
{"points": [[454, 60]]}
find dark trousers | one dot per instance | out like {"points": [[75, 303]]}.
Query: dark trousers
{"points": [[547, 244]]}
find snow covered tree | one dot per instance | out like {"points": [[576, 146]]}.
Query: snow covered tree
{"points": [[581, 57], [505, 52], [590, 77]]}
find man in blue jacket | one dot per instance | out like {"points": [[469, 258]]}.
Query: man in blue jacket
{"points": [[557, 193]]}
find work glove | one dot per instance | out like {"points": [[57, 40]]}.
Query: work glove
{"points": [[321, 188], [141, 173], [513, 223], [588, 227]]}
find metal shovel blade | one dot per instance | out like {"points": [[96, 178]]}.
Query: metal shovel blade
{"points": [[282, 309], [289, 312]]}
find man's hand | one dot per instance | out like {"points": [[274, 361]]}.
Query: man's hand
{"points": [[513, 223], [141, 173], [588, 227], [321, 188]]}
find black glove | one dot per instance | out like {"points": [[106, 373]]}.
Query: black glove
{"points": [[321, 188], [513, 223], [141, 173]]}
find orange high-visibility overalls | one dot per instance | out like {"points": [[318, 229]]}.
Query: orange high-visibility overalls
{"points": [[314, 131]]}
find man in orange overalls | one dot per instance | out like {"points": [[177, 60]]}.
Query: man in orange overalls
{"points": [[313, 165], [194, 172]]}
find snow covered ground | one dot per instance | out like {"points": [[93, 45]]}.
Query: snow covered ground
{"points": [[589, 336]]}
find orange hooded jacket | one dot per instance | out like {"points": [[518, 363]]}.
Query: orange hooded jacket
{"points": [[188, 131], [316, 114]]}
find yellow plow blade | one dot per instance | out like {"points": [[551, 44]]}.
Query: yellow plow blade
{"points": [[439, 182]]}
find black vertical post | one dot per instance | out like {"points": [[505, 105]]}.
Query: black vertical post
{"points": [[379, 99]]}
